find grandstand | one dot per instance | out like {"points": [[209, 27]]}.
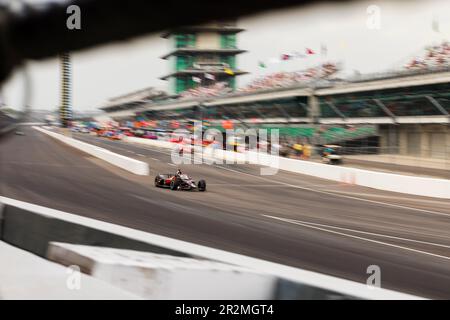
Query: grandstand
{"points": [[407, 110], [435, 56], [289, 79], [125, 103]]}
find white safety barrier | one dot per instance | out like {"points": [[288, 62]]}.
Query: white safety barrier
{"points": [[149, 142], [420, 186], [161, 276], [304, 277], [25, 276], [31, 124], [129, 164]]}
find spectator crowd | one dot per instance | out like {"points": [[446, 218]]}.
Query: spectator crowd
{"points": [[287, 79], [214, 90], [271, 81], [434, 57]]}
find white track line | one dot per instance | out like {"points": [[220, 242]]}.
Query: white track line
{"points": [[340, 195], [318, 191], [374, 195], [362, 232], [242, 185], [104, 144], [43, 164], [145, 147], [306, 225], [306, 277]]}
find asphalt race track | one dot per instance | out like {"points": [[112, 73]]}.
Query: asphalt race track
{"points": [[293, 219]]}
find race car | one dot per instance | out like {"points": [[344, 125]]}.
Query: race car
{"points": [[179, 182], [331, 154]]}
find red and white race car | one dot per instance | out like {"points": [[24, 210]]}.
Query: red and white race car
{"points": [[179, 182]]}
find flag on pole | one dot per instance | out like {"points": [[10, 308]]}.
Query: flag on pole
{"points": [[435, 24], [285, 56], [210, 76], [323, 49], [262, 64], [228, 71], [196, 79], [309, 51]]}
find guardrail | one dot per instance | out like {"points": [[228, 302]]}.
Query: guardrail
{"points": [[149, 142], [32, 228], [421, 186], [161, 276], [7, 123], [129, 164]]}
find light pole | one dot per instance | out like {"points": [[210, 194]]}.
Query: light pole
{"points": [[65, 111]]}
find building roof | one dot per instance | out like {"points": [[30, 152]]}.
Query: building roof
{"points": [[193, 29], [390, 80], [320, 88], [194, 72], [135, 97], [197, 51]]}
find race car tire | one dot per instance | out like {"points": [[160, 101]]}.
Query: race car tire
{"points": [[157, 182], [174, 184], [201, 185]]}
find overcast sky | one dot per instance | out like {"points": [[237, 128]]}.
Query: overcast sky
{"points": [[405, 29]]}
